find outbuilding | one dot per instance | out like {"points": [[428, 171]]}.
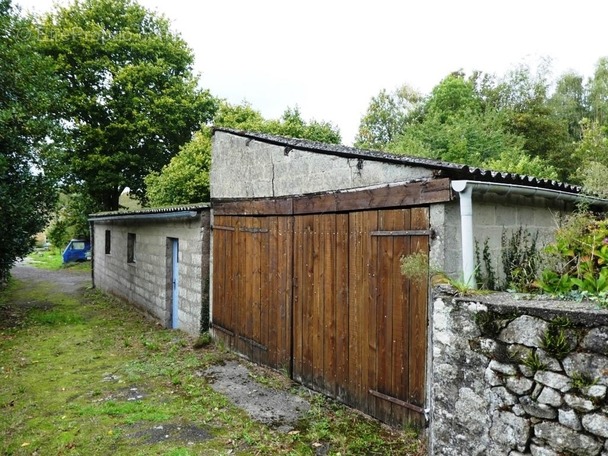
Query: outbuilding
{"points": [[303, 244], [157, 260], [307, 243]]}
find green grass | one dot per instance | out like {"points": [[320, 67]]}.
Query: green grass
{"points": [[51, 259], [69, 366]]}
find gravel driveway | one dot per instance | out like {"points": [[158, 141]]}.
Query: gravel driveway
{"points": [[69, 281]]}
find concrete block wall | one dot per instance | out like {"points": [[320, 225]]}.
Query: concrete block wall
{"points": [[146, 283], [243, 167], [496, 389], [492, 215]]}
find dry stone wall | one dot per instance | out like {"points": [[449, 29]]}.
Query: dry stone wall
{"points": [[518, 377]]}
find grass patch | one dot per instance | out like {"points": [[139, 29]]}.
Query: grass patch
{"points": [[46, 259], [52, 260], [88, 375]]}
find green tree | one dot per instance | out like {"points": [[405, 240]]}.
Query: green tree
{"points": [[387, 116], [185, 179], [27, 91], [70, 219], [292, 125], [455, 127], [528, 113], [469, 120], [132, 100], [569, 102], [453, 96], [598, 92], [592, 154]]}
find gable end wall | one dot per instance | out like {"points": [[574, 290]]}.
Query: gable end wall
{"points": [[246, 168]]}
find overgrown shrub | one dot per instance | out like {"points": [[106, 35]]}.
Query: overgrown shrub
{"points": [[578, 265]]}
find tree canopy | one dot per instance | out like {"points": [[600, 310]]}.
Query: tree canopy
{"points": [[387, 116], [27, 91], [521, 122], [186, 178], [131, 97]]}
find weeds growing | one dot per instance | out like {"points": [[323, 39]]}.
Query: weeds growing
{"points": [[88, 375]]}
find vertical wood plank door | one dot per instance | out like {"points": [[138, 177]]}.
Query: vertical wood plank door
{"points": [[252, 271], [396, 394], [320, 323], [359, 326], [322, 295]]}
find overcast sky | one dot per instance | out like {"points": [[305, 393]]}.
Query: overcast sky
{"points": [[329, 57]]}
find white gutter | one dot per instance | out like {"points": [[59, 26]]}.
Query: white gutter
{"points": [[465, 191]]}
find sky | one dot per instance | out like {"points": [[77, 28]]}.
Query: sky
{"points": [[330, 57]]}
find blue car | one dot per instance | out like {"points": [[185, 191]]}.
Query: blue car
{"points": [[77, 250]]}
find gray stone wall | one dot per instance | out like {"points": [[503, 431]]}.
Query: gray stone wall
{"points": [[146, 283], [492, 215], [246, 168], [498, 389]]}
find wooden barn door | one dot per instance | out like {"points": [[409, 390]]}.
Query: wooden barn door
{"points": [[252, 286], [359, 326], [320, 306], [323, 296], [397, 314]]}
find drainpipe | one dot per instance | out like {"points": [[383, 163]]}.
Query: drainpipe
{"points": [[466, 231], [465, 191]]}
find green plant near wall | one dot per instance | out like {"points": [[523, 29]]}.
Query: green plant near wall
{"points": [[550, 282], [533, 362], [580, 246], [490, 323], [581, 380], [520, 259], [415, 266], [485, 274], [578, 260], [555, 339]]}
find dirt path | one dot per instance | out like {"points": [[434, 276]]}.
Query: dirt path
{"points": [[67, 280]]}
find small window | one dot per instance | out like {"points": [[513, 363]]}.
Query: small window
{"points": [[131, 248], [78, 245], [108, 241]]}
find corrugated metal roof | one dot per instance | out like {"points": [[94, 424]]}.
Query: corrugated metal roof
{"points": [[151, 211], [442, 169]]}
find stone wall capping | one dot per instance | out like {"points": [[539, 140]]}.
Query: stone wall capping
{"points": [[585, 313]]}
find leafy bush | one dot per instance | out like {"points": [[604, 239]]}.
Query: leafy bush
{"points": [[581, 246], [579, 258]]}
